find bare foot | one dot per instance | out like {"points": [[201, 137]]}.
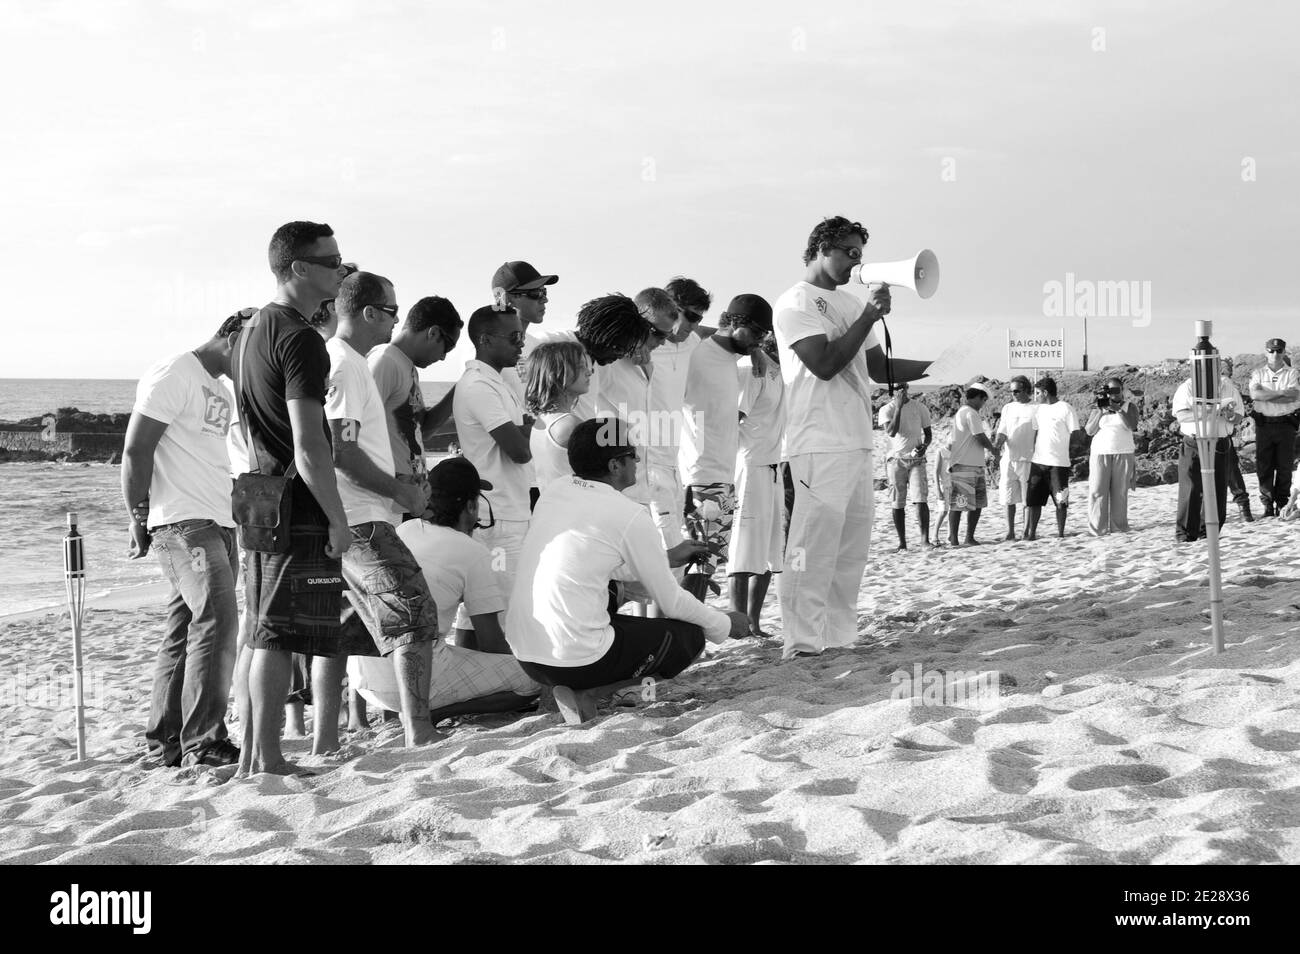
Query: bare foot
{"points": [[576, 707]]}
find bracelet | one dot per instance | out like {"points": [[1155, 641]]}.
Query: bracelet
{"points": [[140, 513]]}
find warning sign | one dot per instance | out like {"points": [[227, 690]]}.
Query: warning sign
{"points": [[1035, 348]]}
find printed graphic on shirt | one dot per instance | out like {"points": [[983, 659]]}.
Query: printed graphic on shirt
{"points": [[216, 411]]}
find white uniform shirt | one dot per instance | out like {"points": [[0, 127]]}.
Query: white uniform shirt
{"points": [[483, 402], [584, 534], [191, 467], [352, 395], [822, 416], [1279, 380]]}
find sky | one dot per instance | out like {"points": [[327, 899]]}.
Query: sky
{"points": [[151, 149]]}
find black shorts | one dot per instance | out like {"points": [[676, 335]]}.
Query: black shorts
{"points": [[1046, 481], [293, 599], [642, 648]]}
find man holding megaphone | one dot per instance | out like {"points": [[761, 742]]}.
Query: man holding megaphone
{"points": [[829, 355]]}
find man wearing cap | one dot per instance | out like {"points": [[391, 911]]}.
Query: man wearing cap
{"points": [[494, 432], [1191, 517], [563, 624], [469, 677], [968, 488], [828, 357], [431, 329], [387, 591], [519, 286], [908, 425], [1275, 389], [710, 419]]}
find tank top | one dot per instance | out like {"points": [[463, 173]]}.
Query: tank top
{"points": [[550, 460]]}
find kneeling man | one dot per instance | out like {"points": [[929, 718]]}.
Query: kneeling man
{"points": [[586, 546]]}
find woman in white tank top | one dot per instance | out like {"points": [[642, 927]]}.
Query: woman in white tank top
{"points": [[555, 375]]}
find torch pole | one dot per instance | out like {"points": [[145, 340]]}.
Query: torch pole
{"points": [[1206, 446], [74, 577]]}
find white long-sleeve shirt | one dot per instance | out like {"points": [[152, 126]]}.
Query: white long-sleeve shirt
{"points": [[583, 535]]}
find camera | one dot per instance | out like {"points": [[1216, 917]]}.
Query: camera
{"points": [[1103, 398]]}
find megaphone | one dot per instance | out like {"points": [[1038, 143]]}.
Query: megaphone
{"points": [[919, 273]]}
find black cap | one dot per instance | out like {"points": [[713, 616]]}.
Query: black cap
{"points": [[520, 276], [1274, 344], [752, 307], [457, 479]]}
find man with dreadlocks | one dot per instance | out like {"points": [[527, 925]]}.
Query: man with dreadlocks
{"points": [[828, 356]]}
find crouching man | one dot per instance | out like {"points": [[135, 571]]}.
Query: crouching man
{"points": [[585, 535]]}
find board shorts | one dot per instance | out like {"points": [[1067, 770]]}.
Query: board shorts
{"points": [[1047, 481], [968, 488], [1013, 487], [293, 599]]}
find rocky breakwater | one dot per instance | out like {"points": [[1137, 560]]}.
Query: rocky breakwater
{"points": [[67, 434]]}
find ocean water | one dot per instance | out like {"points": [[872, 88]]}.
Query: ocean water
{"points": [[35, 498]]}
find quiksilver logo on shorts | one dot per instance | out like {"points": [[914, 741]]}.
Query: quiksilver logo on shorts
{"points": [[317, 580]]}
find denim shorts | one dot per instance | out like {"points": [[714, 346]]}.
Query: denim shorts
{"points": [[387, 589]]}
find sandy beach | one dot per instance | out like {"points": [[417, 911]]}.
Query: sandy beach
{"points": [[1102, 730]]}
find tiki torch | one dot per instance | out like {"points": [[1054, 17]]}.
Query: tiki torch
{"points": [[74, 577], [1207, 401]]}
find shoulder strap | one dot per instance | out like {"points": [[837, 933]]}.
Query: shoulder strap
{"points": [[238, 372]]}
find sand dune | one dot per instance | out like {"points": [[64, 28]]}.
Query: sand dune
{"points": [[1112, 735]]}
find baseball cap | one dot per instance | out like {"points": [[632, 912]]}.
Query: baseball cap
{"points": [[520, 276], [977, 386], [753, 307], [1274, 344], [456, 478]]}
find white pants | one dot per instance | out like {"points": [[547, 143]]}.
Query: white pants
{"points": [[456, 675], [827, 549], [756, 530], [666, 498]]}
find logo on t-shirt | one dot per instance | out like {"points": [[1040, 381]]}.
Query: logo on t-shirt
{"points": [[821, 304], [216, 411]]}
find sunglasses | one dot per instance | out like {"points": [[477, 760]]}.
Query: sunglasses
{"points": [[740, 320], [325, 261], [854, 254], [1274, 350], [389, 310], [658, 334], [632, 454], [694, 317], [515, 337], [538, 294]]}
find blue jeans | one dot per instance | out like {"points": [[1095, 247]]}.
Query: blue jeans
{"points": [[196, 662]]}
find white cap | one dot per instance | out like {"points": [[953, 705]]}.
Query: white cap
{"points": [[978, 386]]}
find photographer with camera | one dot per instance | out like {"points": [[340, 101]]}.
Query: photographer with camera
{"points": [[1112, 464]]}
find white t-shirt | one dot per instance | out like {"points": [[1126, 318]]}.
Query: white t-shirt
{"points": [[584, 534], [457, 568], [191, 468], [1219, 427], [1018, 423], [1055, 424], [483, 402], [672, 362], [967, 425], [351, 395], [911, 428], [1113, 436], [762, 401], [622, 389], [823, 416], [710, 415]]}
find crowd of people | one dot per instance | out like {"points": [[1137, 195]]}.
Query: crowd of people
{"points": [[606, 473]]}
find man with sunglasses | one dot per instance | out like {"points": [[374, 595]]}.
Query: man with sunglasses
{"points": [[1190, 524], [431, 330], [1275, 391], [1017, 423], [494, 431], [710, 421], [390, 609], [519, 286], [828, 358]]}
